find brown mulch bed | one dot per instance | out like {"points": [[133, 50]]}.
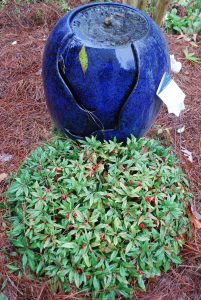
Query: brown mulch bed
{"points": [[25, 123]]}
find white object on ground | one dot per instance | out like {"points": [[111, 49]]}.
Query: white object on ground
{"points": [[3, 176], [14, 43], [187, 153], [5, 157], [171, 94], [39, 72], [175, 65], [181, 130]]}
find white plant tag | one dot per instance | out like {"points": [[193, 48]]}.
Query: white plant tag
{"points": [[171, 94]]}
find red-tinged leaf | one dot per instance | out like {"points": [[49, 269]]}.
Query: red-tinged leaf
{"points": [[47, 243], [144, 150]]}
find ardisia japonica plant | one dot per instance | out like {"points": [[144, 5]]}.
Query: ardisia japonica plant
{"points": [[104, 217]]}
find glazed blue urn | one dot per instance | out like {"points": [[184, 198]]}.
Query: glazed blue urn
{"points": [[102, 65]]}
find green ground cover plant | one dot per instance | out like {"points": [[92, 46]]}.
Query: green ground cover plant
{"points": [[190, 56], [188, 21], [105, 217]]}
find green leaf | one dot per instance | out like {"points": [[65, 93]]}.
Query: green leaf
{"points": [[128, 247], [30, 254], [32, 264], [71, 276], [69, 245], [86, 259], [3, 297], [12, 268], [142, 238], [17, 230], [122, 271], [18, 243], [14, 187], [108, 296], [117, 223], [166, 266], [39, 228], [77, 279], [123, 256], [39, 267], [141, 283], [83, 59], [190, 56], [24, 261], [113, 255], [115, 241], [2, 205], [107, 281], [47, 243], [39, 205], [176, 259], [96, 284]]}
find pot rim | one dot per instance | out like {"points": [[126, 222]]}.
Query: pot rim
{"points": [[71, 15]]}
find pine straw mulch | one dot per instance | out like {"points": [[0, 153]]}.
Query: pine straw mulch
{"points": [[25, 123]]}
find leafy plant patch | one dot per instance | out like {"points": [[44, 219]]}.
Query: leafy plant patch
{"points": [[102, 216], [188, 22]]}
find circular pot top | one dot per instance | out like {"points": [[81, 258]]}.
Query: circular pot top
{"points": [[108, 25]]}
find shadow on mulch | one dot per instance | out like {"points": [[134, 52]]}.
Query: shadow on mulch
{"points": [[25, 123]]}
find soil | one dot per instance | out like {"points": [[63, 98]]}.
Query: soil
{"points": [[25, 124]]}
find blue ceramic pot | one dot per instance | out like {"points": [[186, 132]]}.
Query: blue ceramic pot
{"points": [[102, 65]]}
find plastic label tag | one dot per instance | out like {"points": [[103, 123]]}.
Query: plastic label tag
{"points": [[171, 94]]}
